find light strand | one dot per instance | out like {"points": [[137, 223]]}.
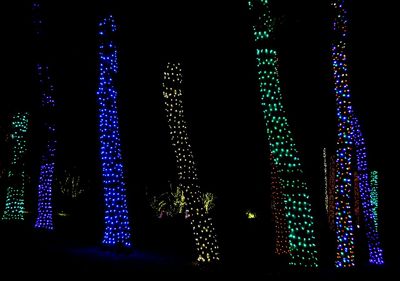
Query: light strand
{"points": [[15, 203], [117, 228], [345, 256], [325, 165], [373, 239], [300, 221], [207, 249], [44, 218], [350, 145], [331, 192], [374, 196], [278, 214]]}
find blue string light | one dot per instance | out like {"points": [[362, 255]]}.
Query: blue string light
{"points": [[349, 138], [369, 212], [44, 218], [344, 175], [117, 229]]}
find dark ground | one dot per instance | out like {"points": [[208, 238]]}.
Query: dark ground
{"points": [[31, 253]]}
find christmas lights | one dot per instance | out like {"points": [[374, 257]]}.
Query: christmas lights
{"points": [[278, 214], [344, 153], [357, 208], [300, 222], [374, 245], [331, 192], [44, 218], [207, 249], [325, 163], [117, 228], [14, 208], [349, 139], [374, 196]]}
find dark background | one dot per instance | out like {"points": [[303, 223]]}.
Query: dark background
{"points": [[222, 106]]}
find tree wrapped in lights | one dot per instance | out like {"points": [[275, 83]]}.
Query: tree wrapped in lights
{"points": [[349, 139], [300, 221], [117, 229], [44, 218], [207, 249], [14, 208], [344, 153], [370, 217]]}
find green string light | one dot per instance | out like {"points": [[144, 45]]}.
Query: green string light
{"points": [[14, 208], [374, 196], [300, 222]]}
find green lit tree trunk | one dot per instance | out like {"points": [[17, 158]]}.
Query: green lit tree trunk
{"points": [[15, 207], [299, 219]]}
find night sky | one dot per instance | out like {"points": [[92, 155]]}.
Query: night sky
{"points": [[222, 106]]}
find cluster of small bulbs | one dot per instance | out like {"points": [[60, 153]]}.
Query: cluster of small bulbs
{"points": [[349, 140], [281, 246], [117, 227], [373, 239], [344, 152], [329, 181], [44, 218], [15, 207], [331, 192], [207, 249], [300, 222], [325, 163], [357, 199], [374, 196]]}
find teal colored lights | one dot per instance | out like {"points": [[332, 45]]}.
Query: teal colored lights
{"points": [[374, 196], [288, 178], [15, 203]]}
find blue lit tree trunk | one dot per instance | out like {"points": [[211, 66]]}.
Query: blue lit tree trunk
{"points": [[44, 218], [349, 139], [300, 221], [367, 203], [207, 249], [15, 207], [117, 229]]}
